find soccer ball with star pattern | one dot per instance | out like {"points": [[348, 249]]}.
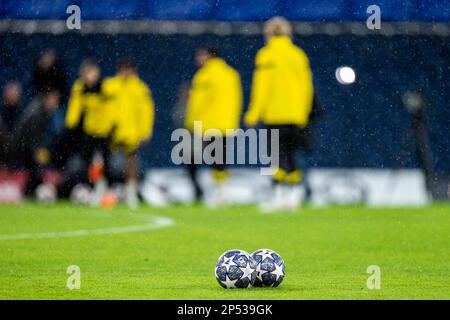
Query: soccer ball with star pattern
{"points": [[235, 269], [270, 268]]}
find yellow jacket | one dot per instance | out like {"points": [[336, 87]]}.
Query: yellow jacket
{"points": [[97, 117], [282, 91], [133, 109], [215, 97]]}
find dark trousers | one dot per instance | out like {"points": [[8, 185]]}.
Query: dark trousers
{"points": [[76, 142], [34, 171], [72, 142], [192, 168], [291, 140]]}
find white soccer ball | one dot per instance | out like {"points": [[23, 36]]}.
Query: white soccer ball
{"points": [[235, 269], [270, 268], [81, 194], [46, 193]]}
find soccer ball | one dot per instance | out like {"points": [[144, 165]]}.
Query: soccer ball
{"points": [[109, 200], [81, 194], [46, 193], [270, 268], [235, 269]]}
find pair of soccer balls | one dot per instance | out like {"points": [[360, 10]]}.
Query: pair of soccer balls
{"points": [[238, 269]]}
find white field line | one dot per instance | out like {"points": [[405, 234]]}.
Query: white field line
{"points": [[153, 223]]}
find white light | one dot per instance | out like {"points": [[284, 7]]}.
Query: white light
{"points": [[345, 75]]}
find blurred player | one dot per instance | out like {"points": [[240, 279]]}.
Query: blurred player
{"points": [[48, 74], [89, 121], [133, 108], [10, 111], [34, 137], [11, 106], [282, 98], [215, 100]]}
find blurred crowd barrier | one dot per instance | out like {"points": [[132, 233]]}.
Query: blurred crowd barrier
{"points": [[322, 187]]}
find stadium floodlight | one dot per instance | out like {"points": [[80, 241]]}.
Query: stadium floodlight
{"points": [[345, 75]]}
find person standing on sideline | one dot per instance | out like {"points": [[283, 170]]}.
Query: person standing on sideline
{"points": [[48, 74], [10, 112], [132, 106], [215, 102], [89, 123], [282, 98], [34, 136]]}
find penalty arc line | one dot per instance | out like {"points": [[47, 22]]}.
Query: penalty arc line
{"points": [[154, 223]]}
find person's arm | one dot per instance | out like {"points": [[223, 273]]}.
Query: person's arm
{"points": [[260, 89], [239, 98], [75, 108], [29, 136], [42, 137], [306, 81], [147, 114], [198, 98], [21, 131]]}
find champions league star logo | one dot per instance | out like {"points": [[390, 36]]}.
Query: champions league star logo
{"points": [[235, 269]]}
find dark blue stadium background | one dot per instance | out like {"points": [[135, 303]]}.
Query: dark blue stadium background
{"points": [[363, 125], [229, 10]]}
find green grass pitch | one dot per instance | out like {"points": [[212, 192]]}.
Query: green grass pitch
{"points": [[327, 252]]}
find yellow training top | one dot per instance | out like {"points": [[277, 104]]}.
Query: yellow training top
{"points": [[282, 91], [133, 109], [90, 105], [215, 97]]}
